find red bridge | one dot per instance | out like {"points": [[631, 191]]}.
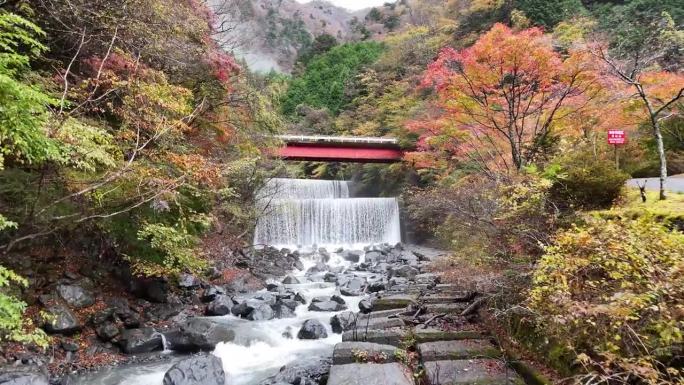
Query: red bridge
{"points": [[340, 149]]}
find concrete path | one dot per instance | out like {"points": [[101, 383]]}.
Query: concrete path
{"points": [[675, 183]]}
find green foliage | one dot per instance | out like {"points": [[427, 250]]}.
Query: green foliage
{"points": [[613, 292], [548, 13], [324, 80], [586, 180], [13, 325], [23, 116]]}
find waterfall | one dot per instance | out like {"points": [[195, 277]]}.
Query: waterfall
{"points": [[317, 212]]}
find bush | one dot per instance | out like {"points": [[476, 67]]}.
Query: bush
{"points": [[587, 181], [613, 291]]}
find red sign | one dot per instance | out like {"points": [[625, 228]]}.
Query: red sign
{"points": [[617, 137]]}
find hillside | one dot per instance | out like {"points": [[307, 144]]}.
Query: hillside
{"points": [[270, 34]]}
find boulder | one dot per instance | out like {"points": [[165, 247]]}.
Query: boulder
{"points": [[290, 303], [75, 296], [205, 369], [365, 306], [212, 292], [354, 287], [62, 320], [312, 330], [188, 281], [338, 299], [151, 289], [375, 256], [376, 287], [352, 255], [330, 277], [329, 305], [246, 307], [221, 305], [22, 375], [405, 271], [290, 280], [143, 340], [263, 312], [342, 322], [268, 298], [199, 334], [305, 372], [282, 311], [107, 331]]}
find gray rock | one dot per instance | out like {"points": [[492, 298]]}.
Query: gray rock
{"points": [[212, 292], [369, 374], [263, 312], [327, 306], [107, 331], [354, 287], [267, 298], [246, 307], [221, 305], [405, 271], [365, 306], [376, 287], [283, 311], [22, 375], [354, 352], [75, 296], [375, 256], [352, 255], [199, 334], [62, 320], [205, 369], [188, 281], [152, 289], [312, 330], [137, 341], [290, 303], [338, 299], [342, 322], [290, 280]]}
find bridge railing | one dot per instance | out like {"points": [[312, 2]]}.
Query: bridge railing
{"points": [[337, 139]]}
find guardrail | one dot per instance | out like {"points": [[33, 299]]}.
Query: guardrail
{"points": [[336, 139]]}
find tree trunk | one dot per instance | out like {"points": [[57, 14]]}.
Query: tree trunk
{"points": [[661, 154]]}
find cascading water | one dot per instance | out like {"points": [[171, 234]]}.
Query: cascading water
{"points": [[298, 214], [306, 212]]}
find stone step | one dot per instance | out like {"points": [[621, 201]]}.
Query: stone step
{"points": [[457, 350], [470, 372], [378, 323], [380, 314], [370, 374], [432, 335], [385, 337], [448, 308], [445, 298], [396, 301], [363, 352]]}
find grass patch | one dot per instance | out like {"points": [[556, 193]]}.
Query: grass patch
{"points": [[669, 211]]}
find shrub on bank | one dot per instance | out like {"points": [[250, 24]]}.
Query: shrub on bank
{"points": [[613, 292]]}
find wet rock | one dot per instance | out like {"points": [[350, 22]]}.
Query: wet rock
{"points": [[69, 345], [354, 287], [290, 303], [338, 299], [298, 265], [199, 334], [290, 280], [300, 298], [267, 298], [162, 311], [375, 257], [365, 306], [330, 277], [288, 333], [342, 322], [22, 375], [188, 281], [319, 267], [274, 287], [352, 255], [282, 311], [221, 305], [75, 296], [262, 312], [62, 320], [405, 271], [212, 292], [312, 330], [244, 308], [326, 304], [375, 287], [107, 331], [101, 317], [143, 340], [308, 372], [206, 369]]}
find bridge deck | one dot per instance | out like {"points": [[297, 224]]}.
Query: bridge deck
{"points": [[355, 141], [339, 149]]}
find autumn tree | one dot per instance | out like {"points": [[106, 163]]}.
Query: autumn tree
{"points": [[645, 54], [510, 92]]}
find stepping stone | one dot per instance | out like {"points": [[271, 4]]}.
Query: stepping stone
{"points": [[397, 301], [363, 352], [385, 337], [432, 335], [457, 350], [370, 374], [448, 308], [470, 372]]}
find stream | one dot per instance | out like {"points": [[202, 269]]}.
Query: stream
{"points": [[304, 215]]}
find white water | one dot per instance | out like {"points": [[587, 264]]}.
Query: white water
{"points": [[309, 213], [306, 212]]}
